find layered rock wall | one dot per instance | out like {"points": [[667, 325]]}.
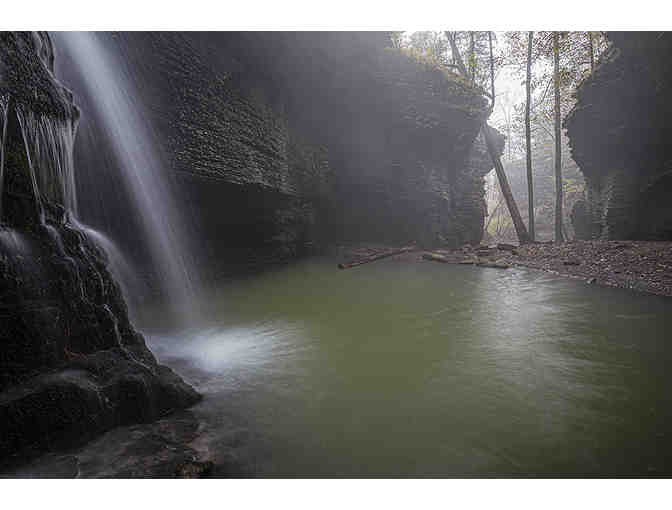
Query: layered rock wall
{"points": [[284, 142], [619, 132]]}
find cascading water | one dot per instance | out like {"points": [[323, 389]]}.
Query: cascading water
{"points": [[121, 268], [109, 83], [49, 147], [4, 111], [49, 142]]}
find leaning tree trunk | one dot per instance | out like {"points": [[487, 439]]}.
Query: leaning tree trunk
{"points": [[558, 157], [521, 231], [528, 138]]}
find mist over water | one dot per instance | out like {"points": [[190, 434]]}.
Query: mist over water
{"points": [[427, 369], [110, 85]]}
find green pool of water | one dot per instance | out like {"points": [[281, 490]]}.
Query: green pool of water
{"points": [[400, 368]]}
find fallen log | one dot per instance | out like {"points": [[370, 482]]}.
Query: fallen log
{"points": [[435, 257], [377, 256]]}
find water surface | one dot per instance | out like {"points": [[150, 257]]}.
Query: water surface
{"points": [[398, 368]]}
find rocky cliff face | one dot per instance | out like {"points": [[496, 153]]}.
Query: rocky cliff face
{"points": [[619, 132], [71, 363], [285, 142]]}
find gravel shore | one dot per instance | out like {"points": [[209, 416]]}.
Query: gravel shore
{"points": [[643, 266]]}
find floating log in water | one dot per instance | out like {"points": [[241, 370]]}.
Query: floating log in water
{"points": [[377, 256]]}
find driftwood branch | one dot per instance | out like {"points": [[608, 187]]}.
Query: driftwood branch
{"points": [[377, 256]]}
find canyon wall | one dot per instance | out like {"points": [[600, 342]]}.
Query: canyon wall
{"points": [[619, 131], [284, 143]]}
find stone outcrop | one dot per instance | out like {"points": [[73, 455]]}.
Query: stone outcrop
{"points": [[619, 132], [286, 142], [471, 206], [71, 364]]}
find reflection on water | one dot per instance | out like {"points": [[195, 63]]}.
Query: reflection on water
{"points": [[427, 369]]}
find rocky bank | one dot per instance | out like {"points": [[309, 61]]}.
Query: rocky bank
{"points": [[643, 266]]}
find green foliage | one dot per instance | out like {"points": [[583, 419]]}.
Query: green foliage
{"points": [[428, 62], [433, 47]]}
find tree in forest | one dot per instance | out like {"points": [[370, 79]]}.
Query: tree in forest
{"points": [[558, 156], [428, 45], [591, 51], [577, 55], [528, 139]]}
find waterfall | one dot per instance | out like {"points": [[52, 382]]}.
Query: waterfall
{"points": [[122, 270], [49, 143], [4, 111], [109, 83]]}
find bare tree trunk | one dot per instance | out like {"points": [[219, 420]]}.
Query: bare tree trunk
{"points": [[592, 51], [457, 57], [492, 72], [472, 58], [558, 147], [377, 256], [528, 138]]}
